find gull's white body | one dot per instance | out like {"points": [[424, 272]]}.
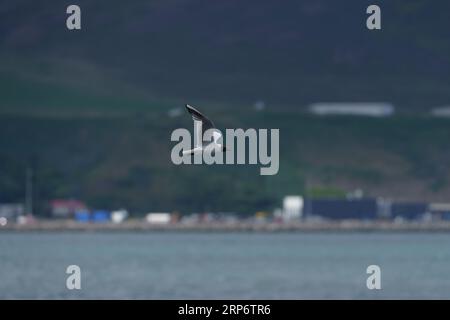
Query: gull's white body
{"points": [[196, 150]]}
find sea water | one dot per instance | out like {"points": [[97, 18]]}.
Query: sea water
{"points": [[176, 265]]}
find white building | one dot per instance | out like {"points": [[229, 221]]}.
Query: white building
{"points": [[368, 109], [443, 112], [119, 216], [292, 207], [158, 218], [11, 211]]}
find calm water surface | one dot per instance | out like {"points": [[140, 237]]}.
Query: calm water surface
{"points": [[224, 265]]}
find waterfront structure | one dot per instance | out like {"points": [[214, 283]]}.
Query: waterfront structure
{"points": [[342, 209], [367, 109], [66, 208]]}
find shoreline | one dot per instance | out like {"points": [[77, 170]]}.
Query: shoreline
{"points": [[140, 226]]}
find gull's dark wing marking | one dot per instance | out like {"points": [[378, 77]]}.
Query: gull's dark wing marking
{"points": [[198, 116]]}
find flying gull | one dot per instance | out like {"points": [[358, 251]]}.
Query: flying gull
{"points": [[201, 124]]}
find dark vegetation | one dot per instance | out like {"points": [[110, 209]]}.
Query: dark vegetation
{"points": [[88, 109]]}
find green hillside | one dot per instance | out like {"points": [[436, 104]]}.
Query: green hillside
{"points": [[230, 53], [125, 161], [88, 109]]}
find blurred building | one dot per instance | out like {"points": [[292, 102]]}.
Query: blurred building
{"points": [[353, 109], [439, 211], [119, 216], [100, 216], [340, 209], [62, 208], [408, 210], [11, 211], [292, 208], [158, 218], [82, 216], [443, 112]]}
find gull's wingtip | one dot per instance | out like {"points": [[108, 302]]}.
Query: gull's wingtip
{"points": [[191, 109]]}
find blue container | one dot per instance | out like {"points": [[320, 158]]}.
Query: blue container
{"points": [[100, 216], [337, 209], [409, 211], [446, 216], [82, 216]]}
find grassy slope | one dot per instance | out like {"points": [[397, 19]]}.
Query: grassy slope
{"points": [[125, 160], [130, 54], [84, 106]]}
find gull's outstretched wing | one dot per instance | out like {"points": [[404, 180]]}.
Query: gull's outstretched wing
{"points": [[206, 123], [197, 115]]}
